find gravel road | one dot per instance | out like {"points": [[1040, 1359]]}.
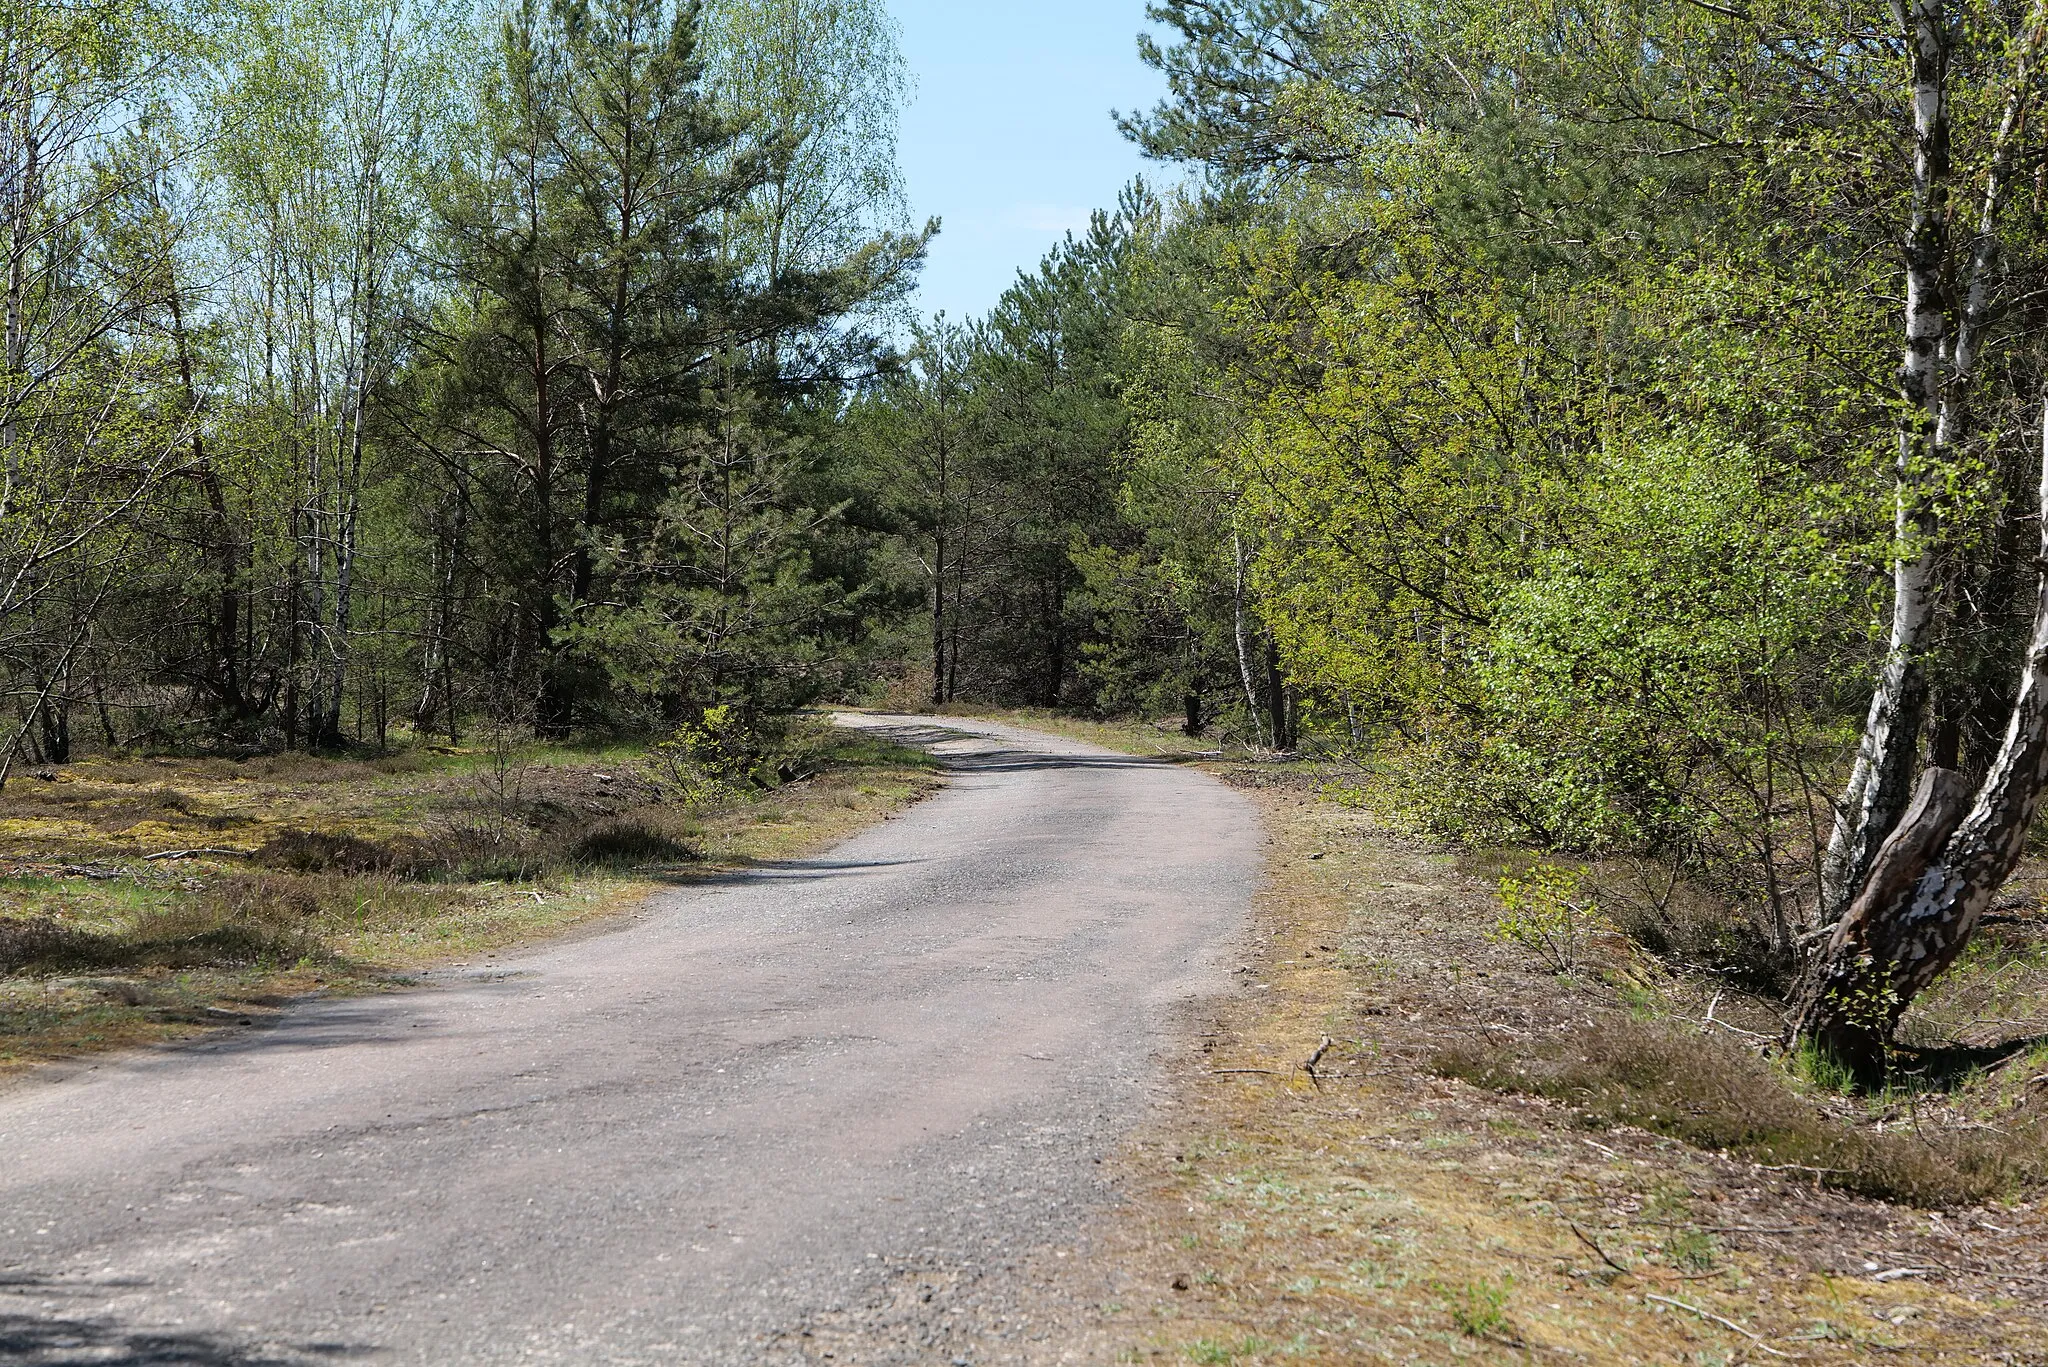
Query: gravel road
{"points": [[821, 1103]]}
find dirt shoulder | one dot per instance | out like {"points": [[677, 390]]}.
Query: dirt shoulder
{"points": [[1381, 1211], [149, 900]]}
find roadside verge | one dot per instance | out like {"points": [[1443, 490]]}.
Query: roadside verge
{"points": [[148, 900], [1372, 1207]]}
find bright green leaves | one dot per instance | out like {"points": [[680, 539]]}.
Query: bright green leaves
{"points": [[1384, 466]]}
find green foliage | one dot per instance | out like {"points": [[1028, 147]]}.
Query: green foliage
{"points": [[1693, 1250], [382, 358], [1207, 1350], [1548, 912], [1478, 1308], [726, 751], [1812, 1063]]}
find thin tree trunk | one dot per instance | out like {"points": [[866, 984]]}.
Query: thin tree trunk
{"points": [[1241, 632], [341, 634], [939, 617], [1276, 698], [224, 550]]}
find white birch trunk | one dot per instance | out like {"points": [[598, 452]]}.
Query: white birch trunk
{"points": [[1880, 781], [1243, 639], [1891, 944]]}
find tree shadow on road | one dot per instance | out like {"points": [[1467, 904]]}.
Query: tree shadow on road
{"points": [[1010, 757], [1015, 761], [753, 871], [59, 1340]]}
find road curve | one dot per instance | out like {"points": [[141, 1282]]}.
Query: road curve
{"points": [[736, 1119]]}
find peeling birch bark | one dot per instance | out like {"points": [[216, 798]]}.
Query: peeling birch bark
{"points": [[1912, 922], [1882, 777]]}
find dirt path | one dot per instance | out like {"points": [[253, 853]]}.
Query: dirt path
{"points": [[818, 1103]]}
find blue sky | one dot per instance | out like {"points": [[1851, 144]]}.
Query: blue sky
{"points": [[1008, 137]]}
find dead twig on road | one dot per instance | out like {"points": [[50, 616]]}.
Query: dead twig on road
{"points": [[1590, 1242]]}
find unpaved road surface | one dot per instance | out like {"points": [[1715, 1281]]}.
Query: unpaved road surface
{"points": [[754, 1121]]}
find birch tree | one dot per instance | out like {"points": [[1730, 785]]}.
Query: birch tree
{"points": [[330, 113], [818, 87], [1903, 885], [85, 436]]}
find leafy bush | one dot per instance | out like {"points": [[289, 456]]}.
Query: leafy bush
{"points": [[728, 750], [1545, 912]]}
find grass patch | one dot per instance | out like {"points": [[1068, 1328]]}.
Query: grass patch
{"points": [[1479, 1308]]}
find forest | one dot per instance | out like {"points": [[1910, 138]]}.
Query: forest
{"points": [[1617, 428]]}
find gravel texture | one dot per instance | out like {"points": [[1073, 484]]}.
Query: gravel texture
{"points": [[814, 1110]]}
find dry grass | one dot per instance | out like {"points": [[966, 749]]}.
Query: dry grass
{"points": [[1665, 1211], [1616, 1071], [1395, 1215], [292, 875]]}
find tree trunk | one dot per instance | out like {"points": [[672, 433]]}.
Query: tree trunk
{"points": [[1928, 888], [939, 613], [341, 633], [1883, 773], [1242, 635], [941, 542], [1276, 699]]}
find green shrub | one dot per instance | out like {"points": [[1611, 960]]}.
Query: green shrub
{"points": [[1546, 912], [1479, 1309], [729, 749]]}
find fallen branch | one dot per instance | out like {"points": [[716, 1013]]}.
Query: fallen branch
{"points": [[1755, 1338], [98, 873], [1225, 1072], [1734, 1029], [1590, 1242], [190, 854], [1317, 1057], [1797, 1167]]}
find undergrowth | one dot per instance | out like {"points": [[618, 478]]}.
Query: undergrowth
{"points": [[1619, 1071]]}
